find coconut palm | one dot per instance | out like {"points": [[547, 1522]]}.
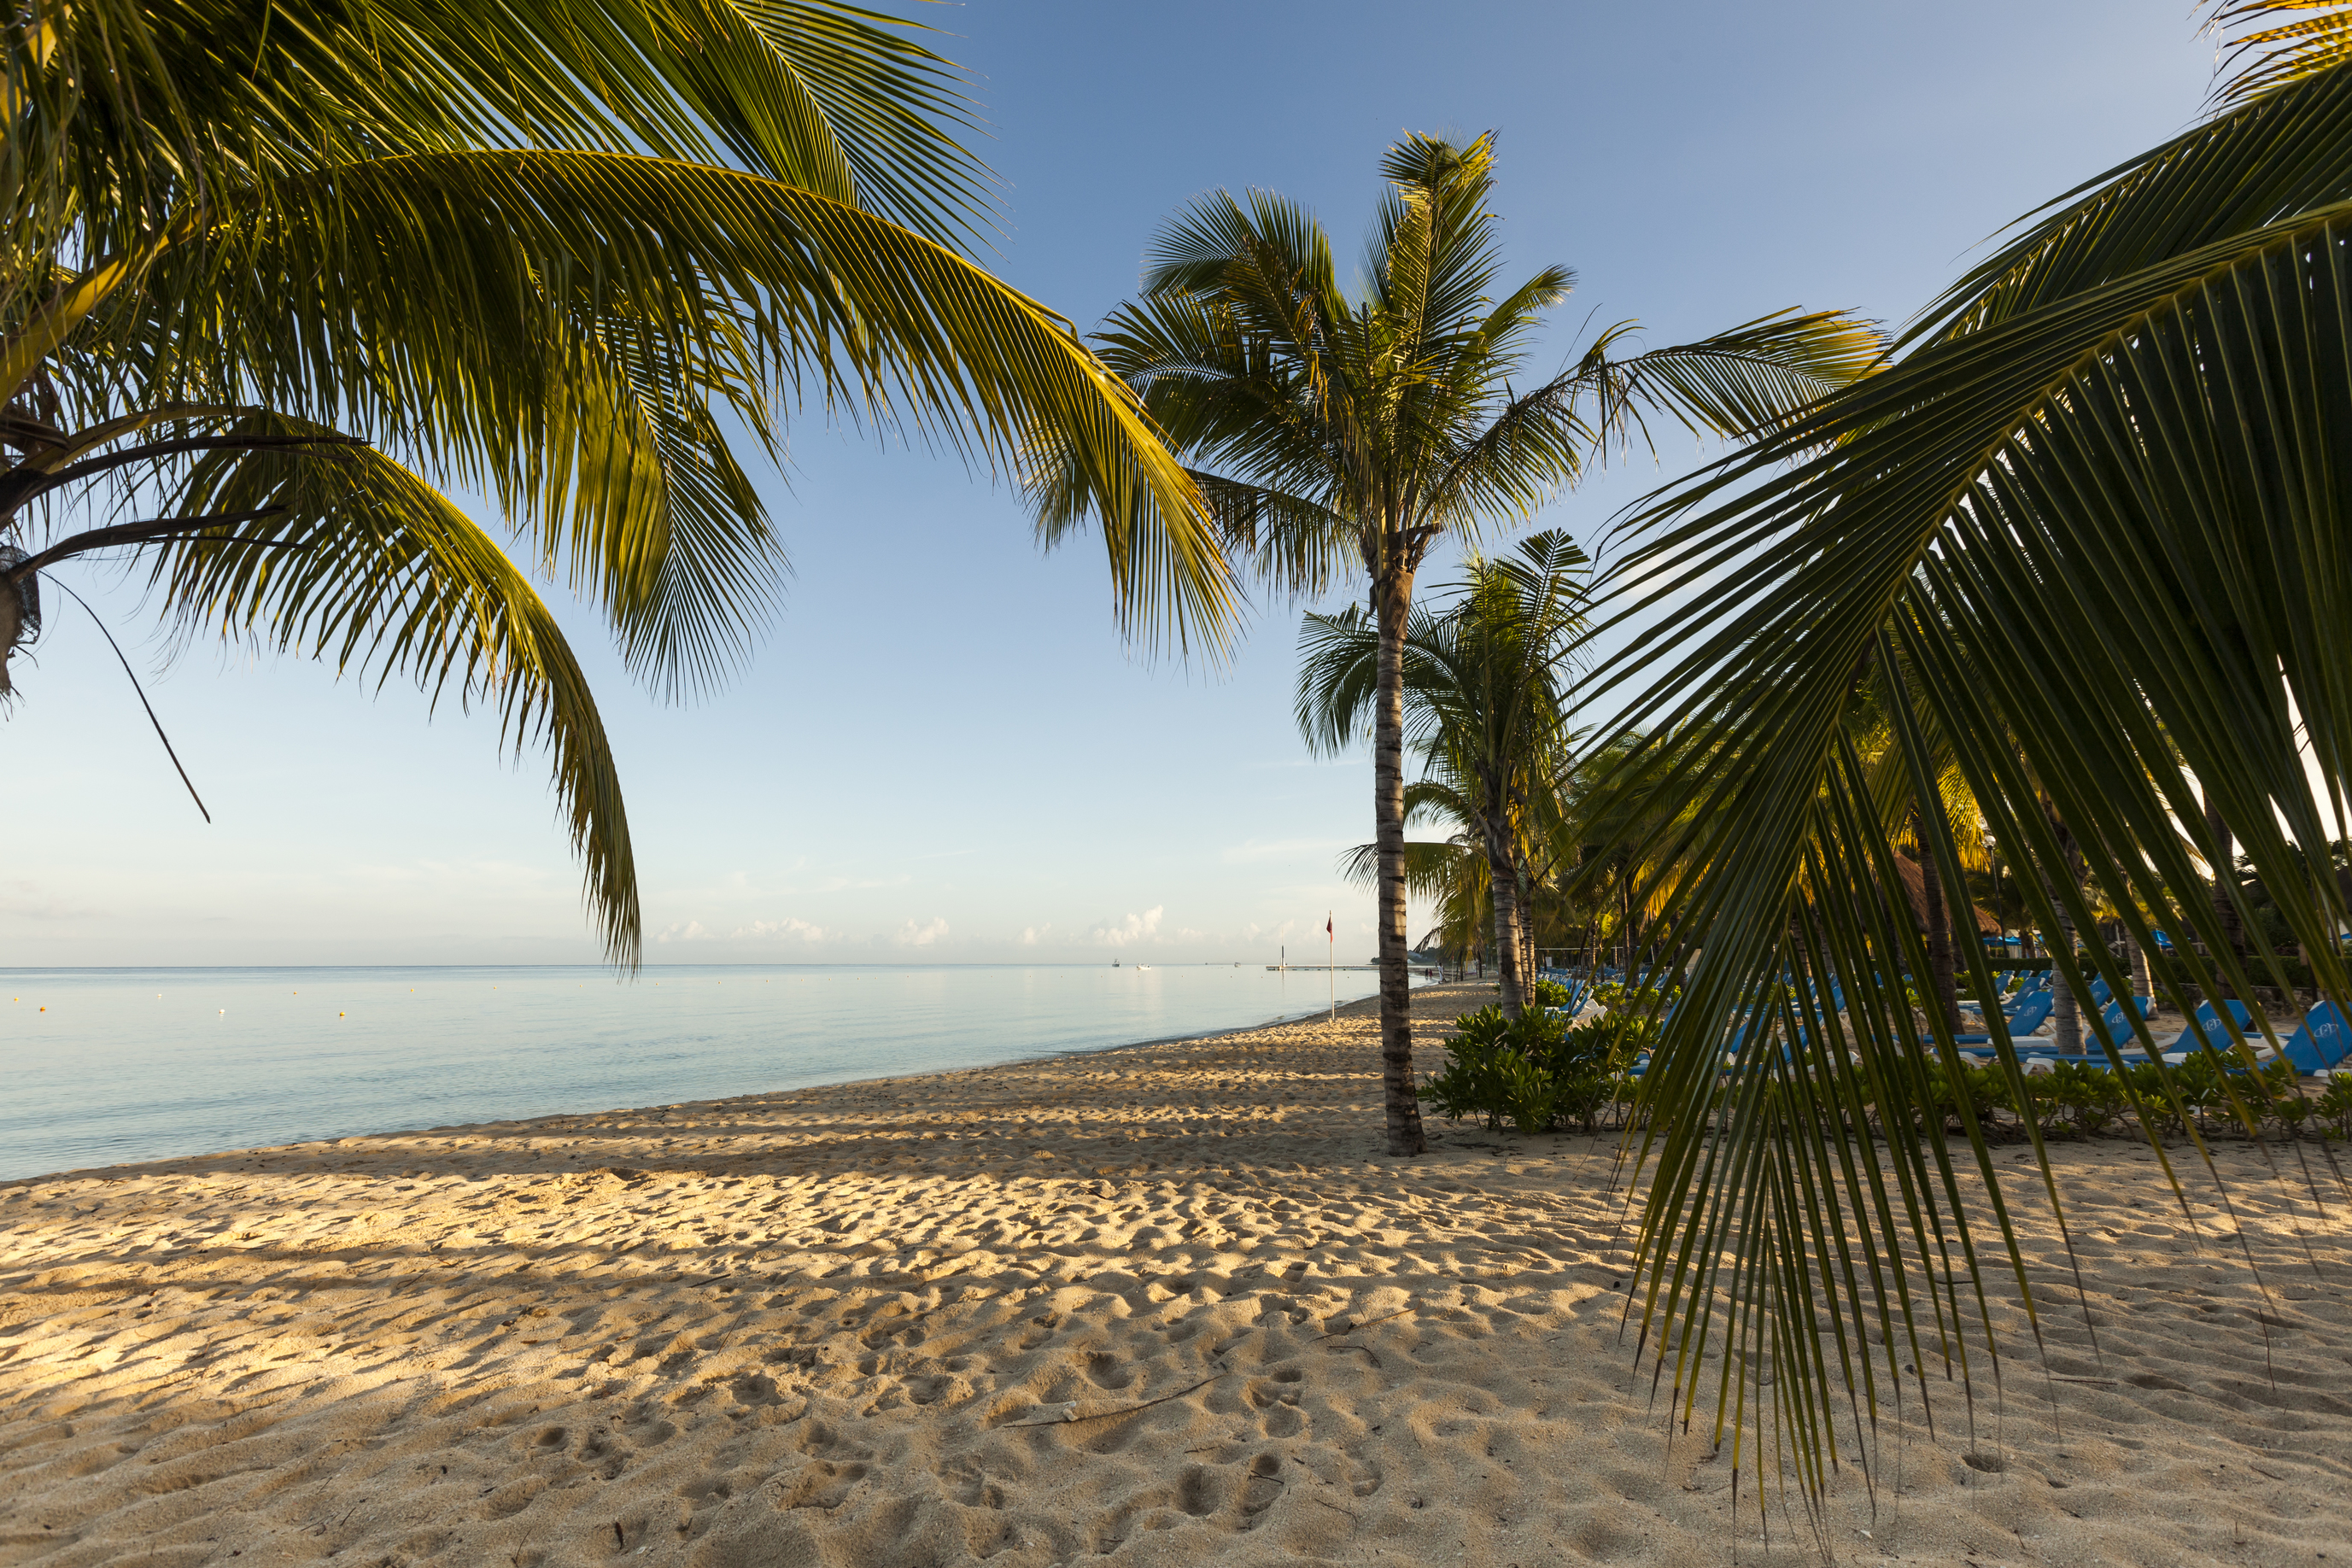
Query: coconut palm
{"points": [[1317, 423], [280, 274], [2096, 505], [1485, 701], [1450, 874]]}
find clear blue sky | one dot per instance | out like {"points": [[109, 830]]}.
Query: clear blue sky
{"points": [[943, 751]]}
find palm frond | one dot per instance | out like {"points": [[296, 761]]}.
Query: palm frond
{"points": [[1430, 870], [2097, 518], [387, 578], [506, 316], [552, 250], [2274, 53]]}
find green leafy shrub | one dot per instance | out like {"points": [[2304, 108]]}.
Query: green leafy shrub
{"points": [[1491, 1072], [1549, 993], [1589, 1063], [2332, 1109], [2298, 972], [1982, 1089], [1535, 1074], [2076, 1100], [1616, 1039], [2156, 1112], [1641, 999], [2199, 1081]]}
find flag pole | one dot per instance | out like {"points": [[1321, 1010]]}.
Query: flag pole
{"points": [[1332, 965]]}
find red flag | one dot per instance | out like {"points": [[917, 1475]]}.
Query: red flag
{"points": [[1327, 925]]}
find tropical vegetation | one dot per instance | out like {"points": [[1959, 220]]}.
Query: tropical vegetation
{"points": [[1321, 426], [2088, 518], [282, 275], [1544, 1073], [1486, 706]]}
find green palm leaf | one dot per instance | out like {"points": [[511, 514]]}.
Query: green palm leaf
{"points": [[551, 251], [2095, 511], [570, 273], [367, 567]]}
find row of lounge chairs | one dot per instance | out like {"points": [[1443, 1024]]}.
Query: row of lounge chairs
{"points": [[2320, 1045]]}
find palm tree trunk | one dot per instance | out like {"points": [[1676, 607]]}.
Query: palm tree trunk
{"points": [[1510, 943], [11, 627], [1943, 984], [1525, 916], [1530, 966], [2225, 907], [1392, 590], [2066, 1011]]}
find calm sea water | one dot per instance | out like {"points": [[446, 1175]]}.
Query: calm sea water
{"points": [[103, 1066]]}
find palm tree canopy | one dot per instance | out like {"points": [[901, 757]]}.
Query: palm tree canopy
{"points": [[2095, 510], [290, 272], [1314, 420], [1484, 676], [1321, 423], [1486, 701]]}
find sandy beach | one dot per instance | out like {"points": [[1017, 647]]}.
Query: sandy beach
{"points": [[1162, 1305]]}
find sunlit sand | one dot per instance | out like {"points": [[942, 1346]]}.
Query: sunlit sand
{"points": [[1166, 1305]]}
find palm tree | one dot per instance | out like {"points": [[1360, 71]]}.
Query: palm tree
{"points": [[1485, 702], [1451, 873], [1317, 423], [281, 273], [2096, 504]]}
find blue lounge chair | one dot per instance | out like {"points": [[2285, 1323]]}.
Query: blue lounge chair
{"points": [[2320, 1043], [2030, 1015], [2113, 1019], [1731, 1053], [2036, 985], [2113, 1023], [2205, 1024]]}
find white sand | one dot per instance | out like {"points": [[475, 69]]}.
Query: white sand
{"points": [[839, 1326]]}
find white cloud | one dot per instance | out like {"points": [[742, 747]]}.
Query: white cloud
{"points": [[923, 935], [785, 930], [685, 931], [1134, 929], [1030, 935]]}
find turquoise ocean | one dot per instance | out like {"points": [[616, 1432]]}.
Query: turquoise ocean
{"points": [[101, 1066]]}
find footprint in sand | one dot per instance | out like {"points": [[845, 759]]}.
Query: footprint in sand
{"points": [[822, 1484], [1263, 1490]]}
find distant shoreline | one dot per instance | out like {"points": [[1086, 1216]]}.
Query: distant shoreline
{"points": [[545, 1047], [607, 968]]}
